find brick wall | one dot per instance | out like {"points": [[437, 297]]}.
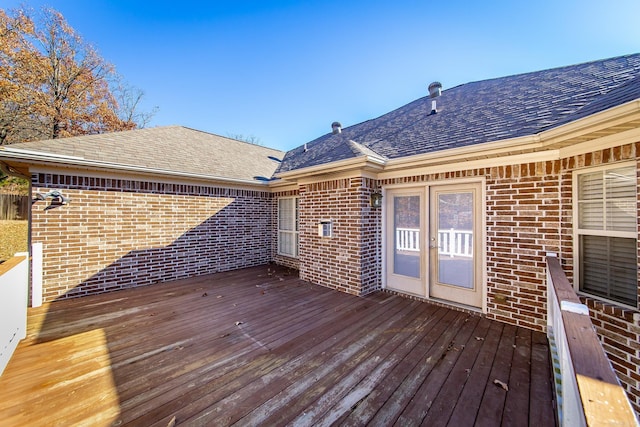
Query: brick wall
{"points": [[119, 233], [523, 221], [619, 332], [522, 225], [618, 327], [371, 239], [349, 260]]}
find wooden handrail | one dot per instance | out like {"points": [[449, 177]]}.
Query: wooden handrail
{"points": [[11, 262], [602, 399]]}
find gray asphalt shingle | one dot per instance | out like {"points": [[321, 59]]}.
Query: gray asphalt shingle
{"points": [[483, 111], [170, 148]]}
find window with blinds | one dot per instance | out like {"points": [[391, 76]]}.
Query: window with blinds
{"points": [[607, 232], [288, 227]]}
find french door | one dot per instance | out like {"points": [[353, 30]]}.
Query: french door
{"points": [[433, 241], [405, 260]]}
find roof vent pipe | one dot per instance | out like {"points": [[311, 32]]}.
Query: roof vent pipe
{"points": [[434, 108], [336, 127], [435, 89]]}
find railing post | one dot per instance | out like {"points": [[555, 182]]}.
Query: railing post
{"points": [[14, 283], [36, 275], [452, 242]]}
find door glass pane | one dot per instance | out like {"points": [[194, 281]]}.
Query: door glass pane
{"points": [[455, 239], [406, 225]]}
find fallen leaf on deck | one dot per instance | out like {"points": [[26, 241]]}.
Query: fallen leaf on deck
{"points": [[238, 323], [172, 423], [480, 338], [204, 295], [219, 296], [501, 384]]}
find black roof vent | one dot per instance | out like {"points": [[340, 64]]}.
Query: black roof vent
{"points": [[336, 127]]}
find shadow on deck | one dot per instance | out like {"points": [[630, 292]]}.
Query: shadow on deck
{"points": [[261, 347]]}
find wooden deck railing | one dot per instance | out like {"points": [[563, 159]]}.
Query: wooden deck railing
{"points": [[587, 388], [14, 285]]}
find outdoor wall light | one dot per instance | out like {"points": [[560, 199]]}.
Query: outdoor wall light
{"points": [[376, 199]]}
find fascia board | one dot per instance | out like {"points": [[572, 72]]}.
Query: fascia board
{"points": [[526, 145], [611, 117], [364, 162], [486, 150], [50, 159], [432, 168]]}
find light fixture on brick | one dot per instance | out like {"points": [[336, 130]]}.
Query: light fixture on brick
{"points": [[57, 199], [376, 198]]}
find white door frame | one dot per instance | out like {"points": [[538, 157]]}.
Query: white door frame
{"points": [[482, 233]]}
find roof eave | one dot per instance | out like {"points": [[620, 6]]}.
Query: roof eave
{"points": [[363, 163], [614, 116], [485, 150], [51, 159], [591, 127]]}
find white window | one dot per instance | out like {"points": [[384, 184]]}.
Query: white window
{"points": [[606, 229], [288, 227]]}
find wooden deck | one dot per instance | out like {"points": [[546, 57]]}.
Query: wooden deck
{"points": [[261, 347]]}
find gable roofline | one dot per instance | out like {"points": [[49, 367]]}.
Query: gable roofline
{"points": [[361, 163]]}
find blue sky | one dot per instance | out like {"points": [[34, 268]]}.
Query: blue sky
{"points": [[283, 71]]}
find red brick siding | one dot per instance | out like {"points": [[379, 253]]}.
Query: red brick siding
{"points": [[618, 327], [347, 260], [119, 233], [619, 332], [523, 220], [371, 238], [522, 223]]}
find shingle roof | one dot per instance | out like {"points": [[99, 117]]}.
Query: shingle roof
{"points": [[483, 111], [171, 148]]}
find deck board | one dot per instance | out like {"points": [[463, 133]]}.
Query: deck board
{"points": [[259, 346]]}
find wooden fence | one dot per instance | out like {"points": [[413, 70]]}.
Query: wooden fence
{"points": [[14, 206]]}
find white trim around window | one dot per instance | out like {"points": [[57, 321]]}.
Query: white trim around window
{"points": [[288, 234], [605, 224]]}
